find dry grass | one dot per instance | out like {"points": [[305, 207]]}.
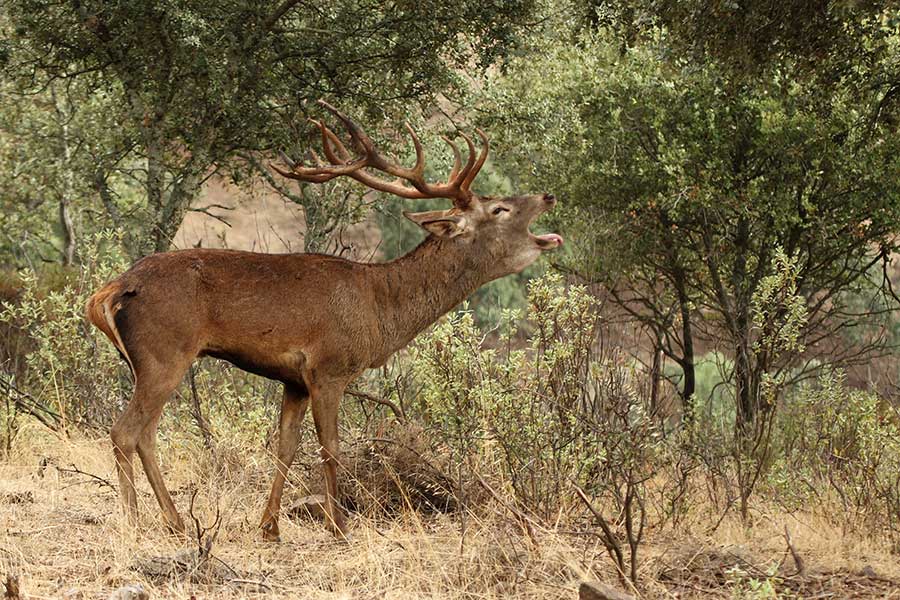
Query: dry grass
{"points": [[61, 530]]}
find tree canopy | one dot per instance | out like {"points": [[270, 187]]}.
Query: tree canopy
{"points": [[683, 177], [192, 87]]}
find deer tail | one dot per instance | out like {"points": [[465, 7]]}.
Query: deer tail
{"points": [[101, 310]]}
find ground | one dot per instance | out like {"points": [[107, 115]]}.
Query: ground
{"points": [[61, 533]]}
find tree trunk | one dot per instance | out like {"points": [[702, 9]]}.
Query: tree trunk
{"points": [[687, 344], [744, 389], [169, 193], [65, 216], [68, 229]]}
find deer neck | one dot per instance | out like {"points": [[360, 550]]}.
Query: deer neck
{"points": [[415, 290]]}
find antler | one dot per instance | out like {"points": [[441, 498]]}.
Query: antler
{"points": [[343, 163]]}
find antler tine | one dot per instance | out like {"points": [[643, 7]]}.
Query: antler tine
{"points": [[360, 138], [309, 177], [418, 169], [411, 180], [485, 148], [330, 142], [457, 161], [366, 146], [464, 173]]}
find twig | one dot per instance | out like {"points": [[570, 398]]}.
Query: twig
{"points": [[204, 549], [398, 412], [526, 521], [26, 403], [798, 560], [100, 481], [198, 413], [610, 541], [722, 517], [208, 213]]}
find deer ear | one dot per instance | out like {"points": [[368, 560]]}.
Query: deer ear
{"points": [[439, 222]]}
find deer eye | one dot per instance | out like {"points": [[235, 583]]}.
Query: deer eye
{"points": [[499, 210]]}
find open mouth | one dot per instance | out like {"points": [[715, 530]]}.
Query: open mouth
{"points": [[546, 241]]}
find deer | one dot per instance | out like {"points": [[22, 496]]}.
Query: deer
{"points": [[310, 321]]}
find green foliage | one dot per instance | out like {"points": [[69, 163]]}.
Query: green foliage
{"points": [[846, 442], [808, 40], [239, 411], [682, 179], [745, 587], [67, 366], [190, 88], [552, 414]]}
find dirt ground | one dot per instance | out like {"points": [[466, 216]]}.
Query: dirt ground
{"points": [[62, 535]]}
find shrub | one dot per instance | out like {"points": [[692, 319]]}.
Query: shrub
{"points": [[66, 367], [555, 416], [846, 441]]}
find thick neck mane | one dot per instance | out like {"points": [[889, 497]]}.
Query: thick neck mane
{"points": [[415, 290]]}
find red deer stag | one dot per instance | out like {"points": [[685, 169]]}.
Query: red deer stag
{"points": [[312, 322]]}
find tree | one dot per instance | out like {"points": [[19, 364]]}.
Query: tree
{"points": [[196, 85], [690, 172], [46, 145]]}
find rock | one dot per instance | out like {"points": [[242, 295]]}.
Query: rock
{"points": [[130, 592], [594, 590], [308, 507]]}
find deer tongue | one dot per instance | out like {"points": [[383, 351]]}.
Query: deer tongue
{"points": [[549, 238]]}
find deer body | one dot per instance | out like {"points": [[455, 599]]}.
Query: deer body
{"points": [[313, 322]]}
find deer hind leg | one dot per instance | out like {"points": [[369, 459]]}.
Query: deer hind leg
{"points": [[325, 403], [293, 408], [135, 430], [124, 436], [146, 449]]}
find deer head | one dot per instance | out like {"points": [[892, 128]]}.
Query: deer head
{"points": [[495, 232]]}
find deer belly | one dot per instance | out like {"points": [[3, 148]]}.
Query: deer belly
{"points": [[285, 366]]}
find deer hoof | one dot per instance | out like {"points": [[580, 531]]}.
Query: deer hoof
{"points": [[270, 532], [175, 529]]}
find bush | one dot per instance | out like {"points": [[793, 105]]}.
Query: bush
{"points": [[63, 366], [559, 415], [846, 442]]}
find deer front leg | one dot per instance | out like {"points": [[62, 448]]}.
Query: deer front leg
{"points": [[293, 407], [325, 402]]}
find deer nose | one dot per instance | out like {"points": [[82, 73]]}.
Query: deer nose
{"points": [[549, 198]]}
